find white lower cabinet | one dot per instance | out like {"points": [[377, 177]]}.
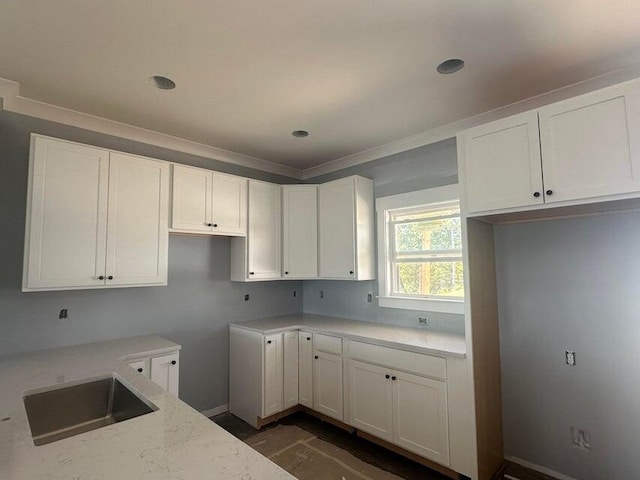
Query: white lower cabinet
{"points": [[327, 384], [370, 399], [305, 369], [273, 375], [420, 421], [290, 368], [403, 408], [162, 370]]}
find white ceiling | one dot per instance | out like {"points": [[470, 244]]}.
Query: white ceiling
{"points": [[357, 74]]}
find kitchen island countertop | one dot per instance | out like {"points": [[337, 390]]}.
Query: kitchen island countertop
{"points": [[175, 442]]}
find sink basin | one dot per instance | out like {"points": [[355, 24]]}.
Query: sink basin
{"points": [[67, 410]]}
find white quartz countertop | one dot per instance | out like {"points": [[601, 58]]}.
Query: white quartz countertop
{"points": [[410, 339], [175, 442]]}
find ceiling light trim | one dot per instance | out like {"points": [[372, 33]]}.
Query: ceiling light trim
{"points": [[13, 102]]}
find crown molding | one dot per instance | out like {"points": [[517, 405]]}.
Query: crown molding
{"points": [[13, 102], [450, 130]]}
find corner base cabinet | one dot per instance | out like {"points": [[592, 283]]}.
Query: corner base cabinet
{"points": [[163, 370]]}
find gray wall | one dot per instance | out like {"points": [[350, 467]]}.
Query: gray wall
{"points": [[426, 167], [193, 310], [571, 284]]}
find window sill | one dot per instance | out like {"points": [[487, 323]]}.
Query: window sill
{"points": [[424, 304]]}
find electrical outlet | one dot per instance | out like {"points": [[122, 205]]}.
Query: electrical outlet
{"points": [[295, 294], [570, 358], [580, 438], [64, 313], [321, 293], [423, 321], [246, 297], [369, 298]]}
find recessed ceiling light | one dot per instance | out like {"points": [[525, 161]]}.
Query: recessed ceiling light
{"points": [[300, 133], [163, 83], [450, 66]]}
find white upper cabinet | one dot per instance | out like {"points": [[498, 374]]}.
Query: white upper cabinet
{"points": [[258, 256], [137, 237], [502, 164], [591, 144], [584, 148], [95, 218], [346, 241], [208, 202], [300, 231]]}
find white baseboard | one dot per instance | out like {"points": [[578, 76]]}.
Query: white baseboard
{"points": [[215, 410], [538, 468]]}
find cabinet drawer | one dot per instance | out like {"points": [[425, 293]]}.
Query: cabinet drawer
{"points": [[326, 343], [418, 363]]}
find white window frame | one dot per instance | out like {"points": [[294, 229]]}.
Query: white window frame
{"points": [[430, 197]]}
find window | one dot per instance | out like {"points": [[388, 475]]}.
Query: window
{"points": [[420, 251]]}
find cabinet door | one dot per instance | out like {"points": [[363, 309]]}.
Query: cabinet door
{"points": [[264, 230], [300, 231], [420, 418], [500, 165], [165, 372], [66, 215], [142, 367], [191, 208], [229, 207], [327, 384], [336, 210], [370, 399], [305, 369], [273, 399], [290, 354], [591, 144], [137, 231]]}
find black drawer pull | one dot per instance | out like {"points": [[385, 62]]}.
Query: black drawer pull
{"points": [[140, 370], [173, 362]]}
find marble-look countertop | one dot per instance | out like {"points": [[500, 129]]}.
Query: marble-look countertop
{"points": [[175, 442], [410, 339]]}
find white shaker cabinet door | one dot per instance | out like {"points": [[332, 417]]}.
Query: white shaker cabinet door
{"points": [[229, 207], [591, 144], [165, 372], [137, 232], [500, 164], [421, 421], [290, 354], [66, 216], [305, 369], [263, 237], [370, 399], [300, 231], [273, 400], [327, 385], [143, 367], [191, 206], [337, 242]]}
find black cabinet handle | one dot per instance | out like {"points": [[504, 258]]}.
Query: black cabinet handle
{"points": [[101, 277], [308, 338], [209, 224], [250, 273], [286, 273], [110, 277], [173, 362], [386, 376], [316, 357], [215, 225], [549, 192], [536, 194], [269, 342], [393, 378], [351, 272], [140, 370]]}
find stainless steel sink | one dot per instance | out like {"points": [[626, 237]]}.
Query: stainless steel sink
{"points": [[67, 410]]}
